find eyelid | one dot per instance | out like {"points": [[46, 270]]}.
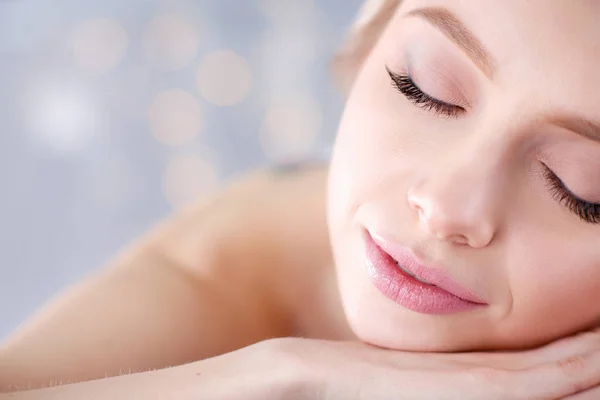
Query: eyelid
{"points": [[409, 89], [588, 212], [430, 79]]}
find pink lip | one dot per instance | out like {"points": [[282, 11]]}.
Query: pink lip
{"points": [[443, 296]]}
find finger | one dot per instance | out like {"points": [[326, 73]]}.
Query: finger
{"points": [[592, 394], [549, 381], [576, 345], [558, 379]]}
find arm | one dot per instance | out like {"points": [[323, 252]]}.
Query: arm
{"points": [[321, 370], [196, 287], [272, 369], [247, 374]]}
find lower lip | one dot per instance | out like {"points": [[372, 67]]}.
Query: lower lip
{"points": [[405, 290]]}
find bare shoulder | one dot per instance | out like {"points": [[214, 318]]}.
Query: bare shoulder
{"points": [[265, 234], [247, 213], [225, 272], [267, 229]]}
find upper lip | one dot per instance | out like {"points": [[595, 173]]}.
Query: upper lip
{"points": [[436, 276]]}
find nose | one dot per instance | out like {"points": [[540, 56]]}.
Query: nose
{"points": [[459, 205]]}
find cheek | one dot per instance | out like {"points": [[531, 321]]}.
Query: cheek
{"points": [[369, 158], [378, 153], [377, 133], [381, 130], [555, 281]]}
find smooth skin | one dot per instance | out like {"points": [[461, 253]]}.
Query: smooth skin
{"points": [[488, 182], [242, 296], [200, 275]]}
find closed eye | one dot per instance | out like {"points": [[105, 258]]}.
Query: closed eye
{"points": [[409, 89], [587, 211]]}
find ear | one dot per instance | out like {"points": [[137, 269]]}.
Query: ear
{"points": [[371, 21]]}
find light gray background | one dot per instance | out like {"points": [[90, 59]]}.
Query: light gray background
{"points": [[81, 171]]}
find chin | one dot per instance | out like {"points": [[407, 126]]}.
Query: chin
{"points": [[379, 322], [403, 332], [376, 320]]}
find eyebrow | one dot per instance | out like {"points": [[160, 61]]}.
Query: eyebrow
{"points": [[452, 27], [455, 30], [581, 126]]}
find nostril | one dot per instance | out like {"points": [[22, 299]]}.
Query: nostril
{"points": [[420, 212], [417, 203], [460, 239]]}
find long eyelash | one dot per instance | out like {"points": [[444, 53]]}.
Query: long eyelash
{"points": [[406, 86], [588, 212]]}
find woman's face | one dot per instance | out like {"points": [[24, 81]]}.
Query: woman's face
{"points": [[469, 153]]}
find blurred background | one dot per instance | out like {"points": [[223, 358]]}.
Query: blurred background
{"points": [[113, 113]]}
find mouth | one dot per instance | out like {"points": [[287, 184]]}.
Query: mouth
{"points": [[407, 272], [400, 276]]}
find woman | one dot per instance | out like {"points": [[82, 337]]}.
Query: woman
{"points": [[462, 214]]}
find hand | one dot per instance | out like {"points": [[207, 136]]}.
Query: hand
{"points": [[592, 394], [353, 370]]}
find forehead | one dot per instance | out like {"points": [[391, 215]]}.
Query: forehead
{"points": [[537, 24], [552, 45]]}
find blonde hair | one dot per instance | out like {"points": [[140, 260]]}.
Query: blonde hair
{"points": [[371, 20]]}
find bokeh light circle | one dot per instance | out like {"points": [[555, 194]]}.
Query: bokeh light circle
{"points": [[224, 78], [175, 117], [291, 127], [171, 41], [99, 45]]}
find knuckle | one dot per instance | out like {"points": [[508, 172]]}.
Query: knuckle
{"points": [[572, 366], [574, 370]]}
